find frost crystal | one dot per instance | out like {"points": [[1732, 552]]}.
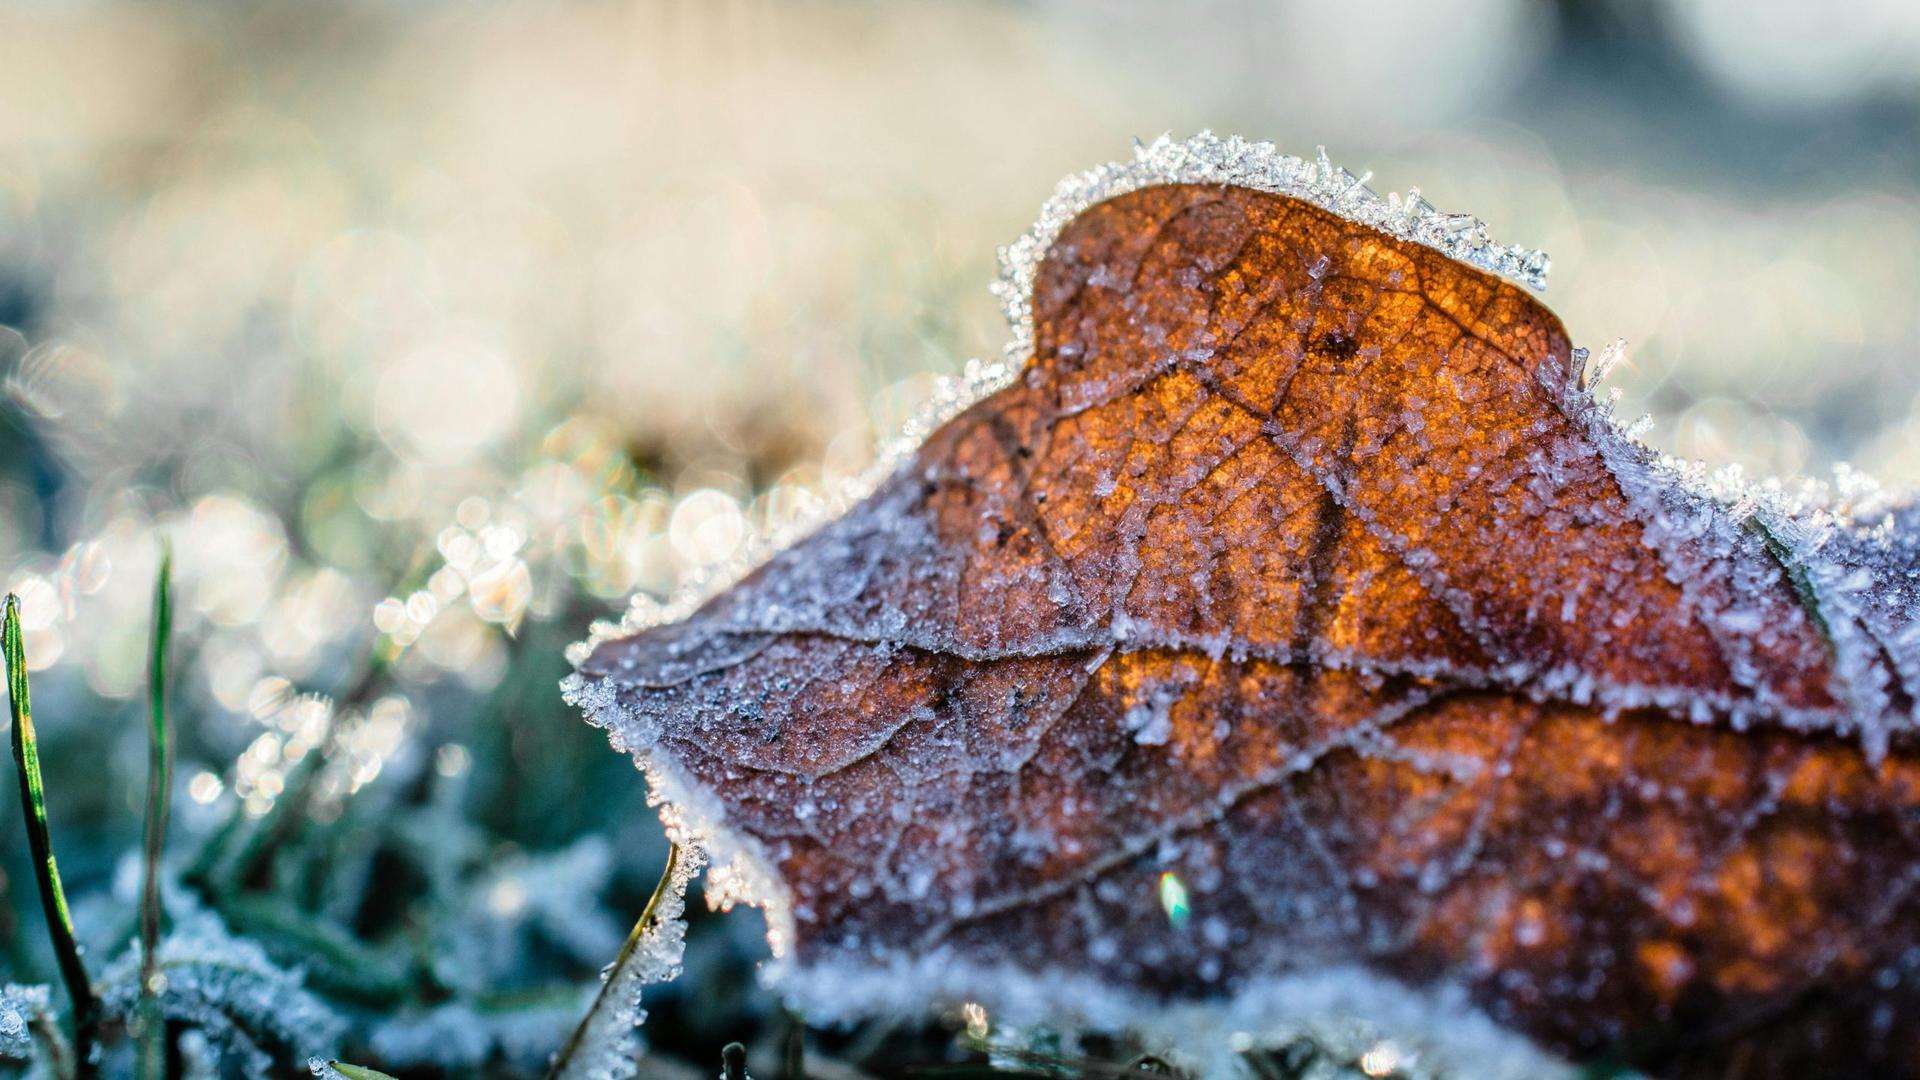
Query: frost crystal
{"points": [[457, 1038], [1207, 158], [1615, 351], [19, 1007], [550, 896], [608, 1042], [253, 1012], [555, 886]]}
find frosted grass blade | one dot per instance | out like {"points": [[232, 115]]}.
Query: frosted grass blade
{"points": [[604, 1002], [33, 802]]}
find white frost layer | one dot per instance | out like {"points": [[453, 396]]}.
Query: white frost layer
{"points": [[20, 1007], [609, 1043], [1436, 1031], [1207, 158], [739, 870], [951, 396], [1346, 1011]]}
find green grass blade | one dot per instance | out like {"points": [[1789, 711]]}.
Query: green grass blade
{"points": [[150, 1023], [328, 1069], [33, 802]]}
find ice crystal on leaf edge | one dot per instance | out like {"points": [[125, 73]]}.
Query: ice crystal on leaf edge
{"points": [[1831, 534], [1208, 159]]}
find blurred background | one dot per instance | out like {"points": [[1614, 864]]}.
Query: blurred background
{"points": [[431, 331]]}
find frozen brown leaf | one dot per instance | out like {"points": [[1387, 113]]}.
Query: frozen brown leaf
{"points": [[1296, 613]]}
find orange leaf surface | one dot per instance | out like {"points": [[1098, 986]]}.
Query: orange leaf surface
{"points": [[1295, 621]]}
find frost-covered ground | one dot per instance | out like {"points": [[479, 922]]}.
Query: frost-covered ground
{"points": [[435, 332]]}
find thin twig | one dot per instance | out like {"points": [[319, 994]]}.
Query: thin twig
{"points": [[151, 1027], [33, 802], [640, 928]]}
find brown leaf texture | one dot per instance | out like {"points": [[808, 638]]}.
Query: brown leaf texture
{"points": [[1298, 570]]}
